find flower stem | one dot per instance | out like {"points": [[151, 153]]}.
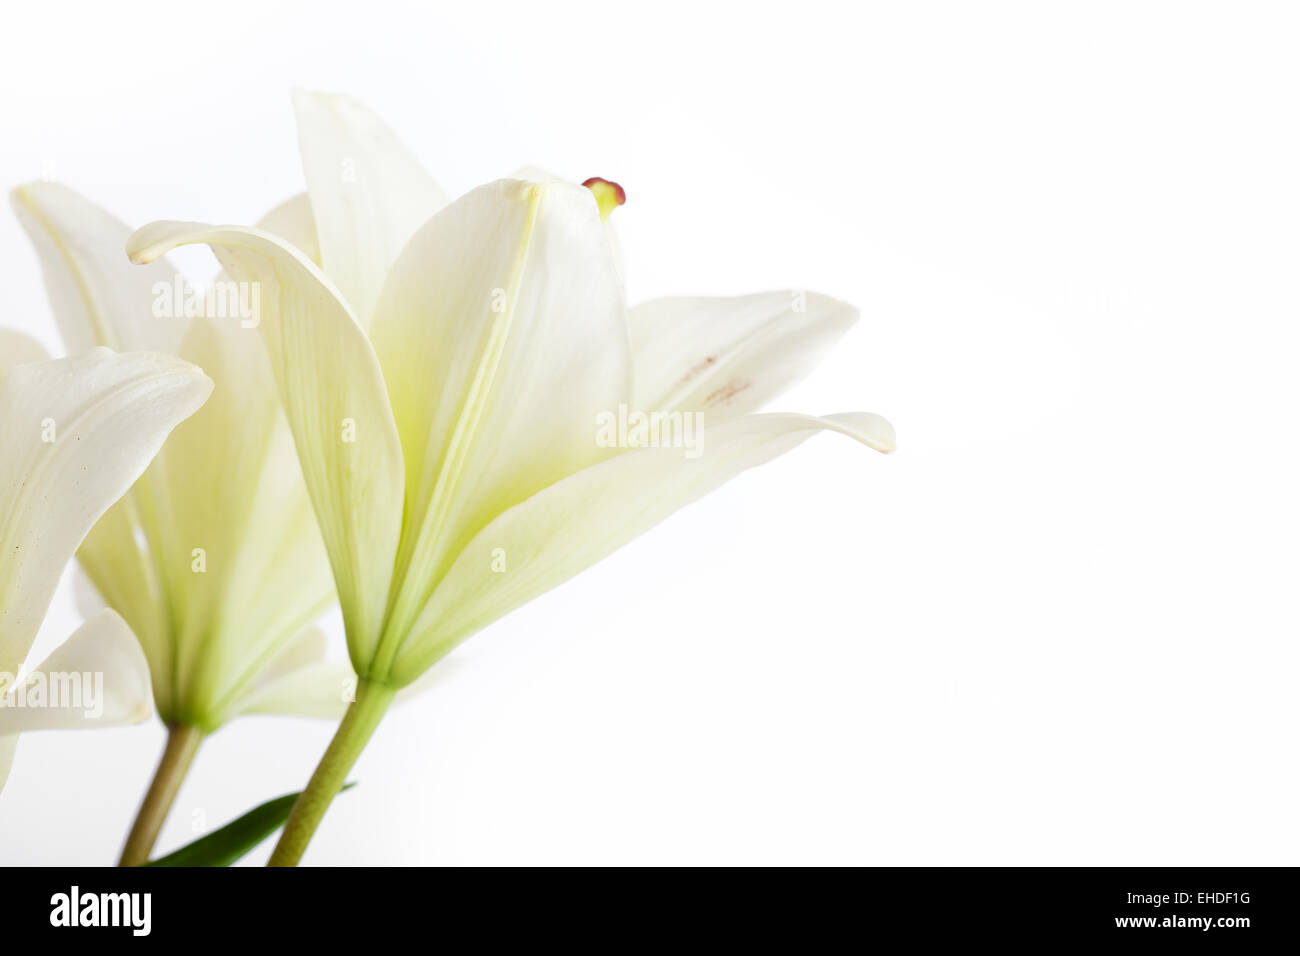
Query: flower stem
{"points": [[182, 743], [358, 724]]}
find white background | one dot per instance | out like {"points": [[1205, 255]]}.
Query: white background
{"points": [[1057, 627]]}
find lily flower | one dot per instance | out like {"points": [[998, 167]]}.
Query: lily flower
{"points": [[214, 558], [74, 434], [452, 375]]}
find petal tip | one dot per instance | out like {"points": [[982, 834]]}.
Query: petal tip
{"points": [[151, 241], [872, 430]]}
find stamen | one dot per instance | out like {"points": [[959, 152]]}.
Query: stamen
{"points": [[608, 195]]}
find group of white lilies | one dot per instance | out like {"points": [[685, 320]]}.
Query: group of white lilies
{"points": [[408, 427]]}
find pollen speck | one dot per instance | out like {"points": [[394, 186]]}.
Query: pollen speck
{"points": [[726, 393]]}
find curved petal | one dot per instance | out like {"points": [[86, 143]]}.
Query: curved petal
{"points": [[578, 521], [502, 334], [294, 222], [98, 299], [202, 633], [98, 677], [19, 349], [333, 394], [729, 356], [76, 433], [368, 192]]}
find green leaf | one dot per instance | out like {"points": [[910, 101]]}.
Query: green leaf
{"points": [[223, 847]]}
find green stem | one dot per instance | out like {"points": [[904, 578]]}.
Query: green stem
{"points": [[182, 744], [358, 724]]}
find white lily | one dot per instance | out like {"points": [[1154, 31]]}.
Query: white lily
{"points": [[74, 434], [445, 379], [214, 557]]}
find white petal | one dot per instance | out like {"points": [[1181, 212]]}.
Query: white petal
{"points": [[536, 174], [265, 572], [85, 595], [729, 356], [502, 334], [305, 649], [108, 416], [321, 690], [19, 349], [246, 516], [294, 222], [119, 567], [333, 394], [98, 298], [301, 682], [98, 677], [576, 522], [368, 192]]}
